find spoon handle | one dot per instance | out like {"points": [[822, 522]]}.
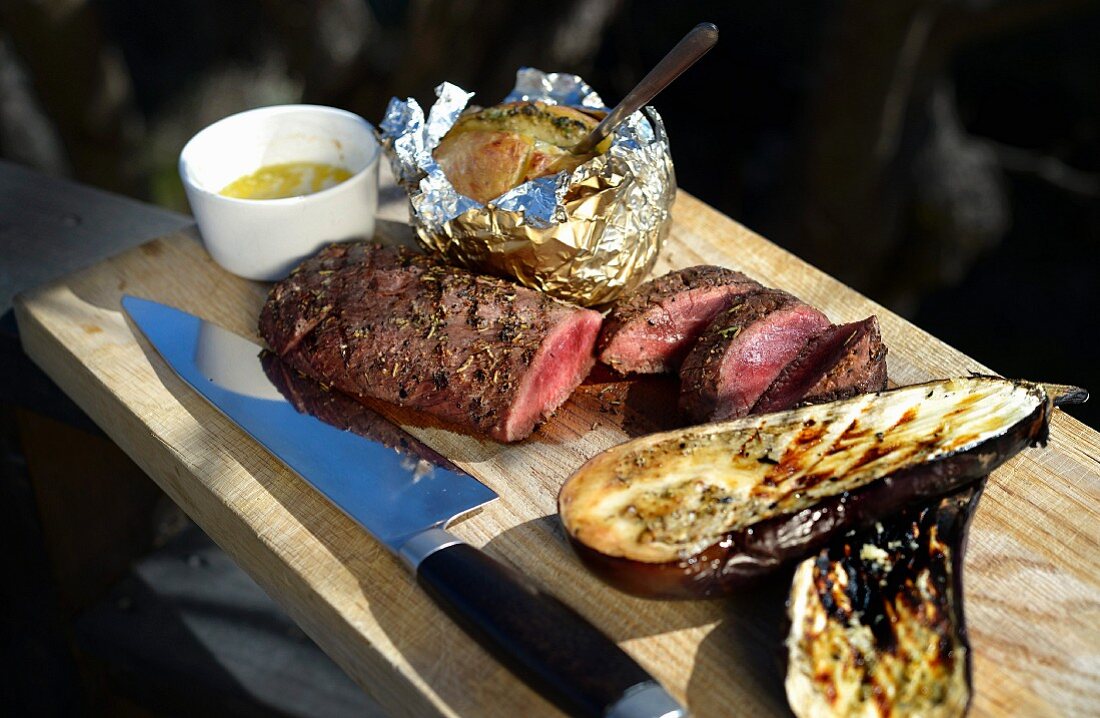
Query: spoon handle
{"points": [[694, 45]]}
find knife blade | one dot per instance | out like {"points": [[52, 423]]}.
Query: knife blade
{"points": [[536, 636]]}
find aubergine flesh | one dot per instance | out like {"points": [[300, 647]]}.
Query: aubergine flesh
{"points": [[703, 511], [876, 620]]}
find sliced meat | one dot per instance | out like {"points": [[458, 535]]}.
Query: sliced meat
{"points": [[861, 369], [742, 351], [840, 362], [653, 328], [391, 324]]}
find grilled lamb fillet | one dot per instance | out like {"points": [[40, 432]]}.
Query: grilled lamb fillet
{"points": [[391, 324], [840, 362], [651, 330], [742, 351]]}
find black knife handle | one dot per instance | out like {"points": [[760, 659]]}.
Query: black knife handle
{"points": [[545, 643]]}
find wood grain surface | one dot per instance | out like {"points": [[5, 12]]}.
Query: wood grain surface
{"points": [[1032, 571]]}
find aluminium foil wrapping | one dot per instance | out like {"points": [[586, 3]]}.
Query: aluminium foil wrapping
{"points": [[583, 236]]}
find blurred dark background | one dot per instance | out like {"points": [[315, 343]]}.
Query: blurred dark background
{"points": [[940, 156]]}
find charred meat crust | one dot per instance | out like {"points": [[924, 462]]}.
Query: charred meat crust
{"points": [[700, 375], [901, 585], [742, 557], [667, 308], [840, 362], [390, 324], [861, 369], [648, 296]]}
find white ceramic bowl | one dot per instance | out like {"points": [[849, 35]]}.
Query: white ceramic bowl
{"points": [[264, 239]]}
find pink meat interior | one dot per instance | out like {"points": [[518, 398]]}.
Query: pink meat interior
{"points": [[820, 354], [760, 353], [661, 339], [559, 366]]}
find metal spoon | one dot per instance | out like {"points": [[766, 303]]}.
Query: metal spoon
{"points": [[694, 45]]}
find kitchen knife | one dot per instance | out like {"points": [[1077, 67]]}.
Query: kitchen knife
{"points": [[537, 637]]}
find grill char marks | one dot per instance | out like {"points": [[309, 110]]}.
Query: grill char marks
{"points": [[878, 618], [741, 352], [390, 324], [707, 511], [651, 330], [840, 362]]}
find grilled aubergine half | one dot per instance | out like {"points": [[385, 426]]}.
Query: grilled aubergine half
{"points": [[702, 511], [876, 620], [490, 151]]}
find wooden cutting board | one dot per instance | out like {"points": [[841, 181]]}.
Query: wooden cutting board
{"points": [[1032, 571]]}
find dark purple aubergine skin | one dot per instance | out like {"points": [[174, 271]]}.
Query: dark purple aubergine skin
{"points": [[958, 540], [745, 556]]}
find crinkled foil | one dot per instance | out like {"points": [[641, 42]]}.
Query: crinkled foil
{"points": [[584, 236]]}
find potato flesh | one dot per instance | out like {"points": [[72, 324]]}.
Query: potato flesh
{"points": [[668, 496], [484, 164], [491, 151]]}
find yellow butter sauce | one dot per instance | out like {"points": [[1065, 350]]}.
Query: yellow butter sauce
{"points": [[291, 179]]}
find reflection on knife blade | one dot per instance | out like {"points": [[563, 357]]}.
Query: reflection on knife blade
{"points": [[494, 604], [347, 413]]}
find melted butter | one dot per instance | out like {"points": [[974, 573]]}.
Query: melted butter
{"points": [[291, 179]]}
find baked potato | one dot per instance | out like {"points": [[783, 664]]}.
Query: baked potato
{"points": [[490, 151]]}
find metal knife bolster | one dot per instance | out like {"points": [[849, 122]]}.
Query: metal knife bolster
{"points": [[646, 700], [419, 546]]}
